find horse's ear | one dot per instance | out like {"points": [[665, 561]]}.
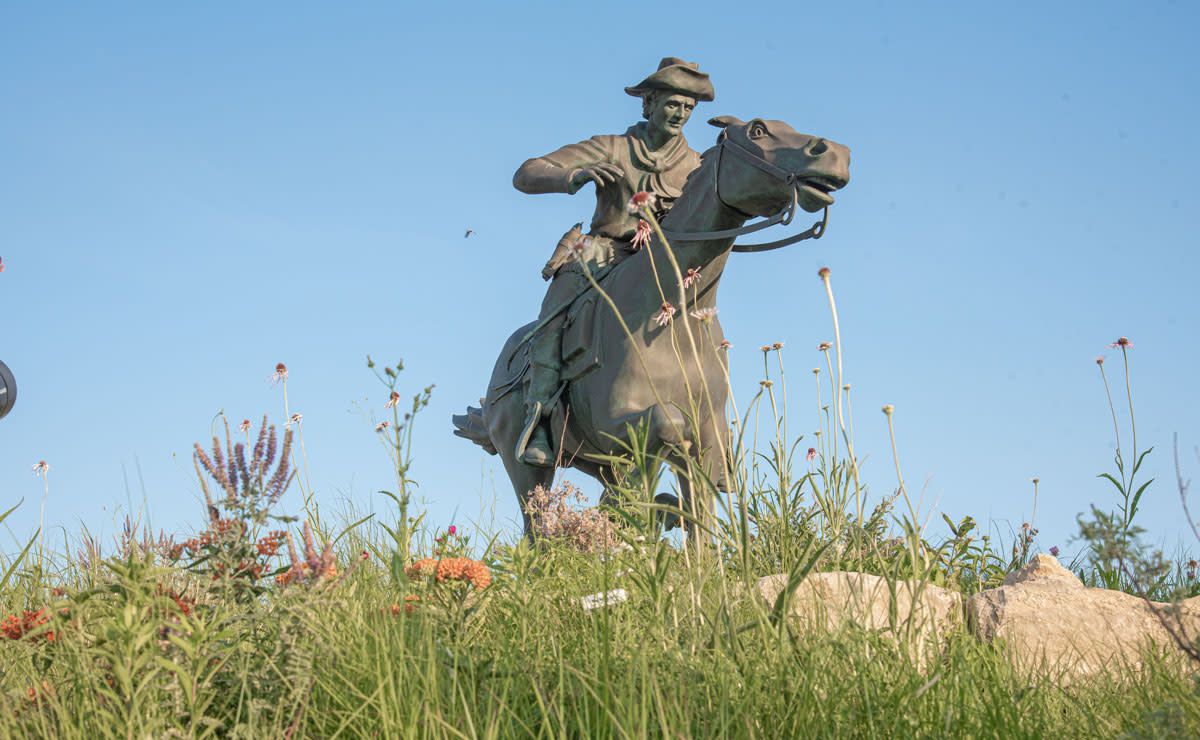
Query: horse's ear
{"points": [[725, 121]]}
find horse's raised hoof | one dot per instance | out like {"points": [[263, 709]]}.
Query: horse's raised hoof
{"points": [[670, 520]]}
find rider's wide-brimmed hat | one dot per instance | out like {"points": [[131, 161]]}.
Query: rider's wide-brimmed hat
{"points": [[677, 76]]}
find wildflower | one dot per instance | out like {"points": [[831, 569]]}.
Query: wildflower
{"points": [[765, 348], [580, 247], [1191, 568], [725, 344], [812, 454], [889, 409], [1054, 550], [642, 237], [1099, 359], [393, 399], [777, 346], [1121, 342], [1, 264], [823, 273], [824, 347], [422, 568], [464, 569], [640, 199], [294, 420], [41, 468], [692, 276], [411, 602], [280, 374], [14, 628], [244, 427], [452, 530], [382, 426], [1035, 480], [704, 315], [664, 316]]}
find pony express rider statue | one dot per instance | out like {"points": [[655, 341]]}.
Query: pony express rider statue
{"points": [[652, 156]]}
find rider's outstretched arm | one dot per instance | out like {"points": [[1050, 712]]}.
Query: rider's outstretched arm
{"points": [[557, 172]]}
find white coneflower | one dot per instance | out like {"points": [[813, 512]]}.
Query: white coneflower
{"points": [[704, 315]]}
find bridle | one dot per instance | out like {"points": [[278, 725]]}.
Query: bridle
{"points": [[784, 217]]}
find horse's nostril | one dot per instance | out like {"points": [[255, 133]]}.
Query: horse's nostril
{"points": [[818, 147]]}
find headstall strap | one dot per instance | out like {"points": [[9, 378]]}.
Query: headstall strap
{"points": [[784, 217]]}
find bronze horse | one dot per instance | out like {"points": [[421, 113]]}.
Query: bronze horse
{"points": [[671, 377]]}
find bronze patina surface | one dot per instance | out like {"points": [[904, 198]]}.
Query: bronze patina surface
{"points": [[668, 374]]}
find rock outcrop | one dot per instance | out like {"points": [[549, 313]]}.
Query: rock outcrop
{"points": [[1053, 624], [831, 601]]}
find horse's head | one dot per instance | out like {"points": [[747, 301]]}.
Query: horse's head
{"points": [[762, 162]]}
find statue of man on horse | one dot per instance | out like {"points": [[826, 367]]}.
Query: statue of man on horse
{"points": [[651, 156], [647, 351]]}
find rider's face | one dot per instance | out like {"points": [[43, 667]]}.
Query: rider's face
{"points": [[669, 112]]}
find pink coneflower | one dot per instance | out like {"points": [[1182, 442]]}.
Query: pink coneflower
{"points": [[642, 237], [823, 272], [824, 347], [1099, 359], [725, 344], [392, 400], [664, 316], [41, 467], [244, 427], [812, 454], [280, 374], [382, 425], [1035, 480], [295, 419], [1121, 342], [765, 348], [777, 345], [692, 276], [704, 315], [641, 199], [579, 247]]}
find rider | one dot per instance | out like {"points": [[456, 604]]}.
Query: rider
{"points": [[652, 156]]}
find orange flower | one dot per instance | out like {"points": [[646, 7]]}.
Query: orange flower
{"points": [[464, 569], [422, 568]]}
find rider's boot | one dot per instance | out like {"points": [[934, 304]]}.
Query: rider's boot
{"points": [[543, 383]]}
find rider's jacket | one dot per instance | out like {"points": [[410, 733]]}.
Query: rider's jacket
{"points": [[661, 172]]}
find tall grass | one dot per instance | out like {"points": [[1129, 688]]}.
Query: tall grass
{"points": [[396, 628]]}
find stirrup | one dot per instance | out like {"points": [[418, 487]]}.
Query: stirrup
{"points": [[532, 420]]}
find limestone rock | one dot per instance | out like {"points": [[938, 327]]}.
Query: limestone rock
{"points": [[1053, 624], [829, 601]]}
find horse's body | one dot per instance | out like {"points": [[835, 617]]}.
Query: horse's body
{"points": [[659, 375]]}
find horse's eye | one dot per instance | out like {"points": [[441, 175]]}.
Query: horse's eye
{"points": [[758, 130]]}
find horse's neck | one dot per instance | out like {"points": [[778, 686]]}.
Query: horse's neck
{"points": [[699, 209]]}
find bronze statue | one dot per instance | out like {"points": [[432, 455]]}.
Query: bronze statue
{"points": [[650, 156], [658, 358]]}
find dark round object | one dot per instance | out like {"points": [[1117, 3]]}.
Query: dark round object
{"points": [[8, 390]]}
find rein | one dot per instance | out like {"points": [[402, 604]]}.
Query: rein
{"points": [[784, 217]]}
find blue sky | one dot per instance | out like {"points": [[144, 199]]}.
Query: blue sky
{"points": [[189, 195]]}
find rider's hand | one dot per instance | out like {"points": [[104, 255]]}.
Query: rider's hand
{"points": [[603, 174]]}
